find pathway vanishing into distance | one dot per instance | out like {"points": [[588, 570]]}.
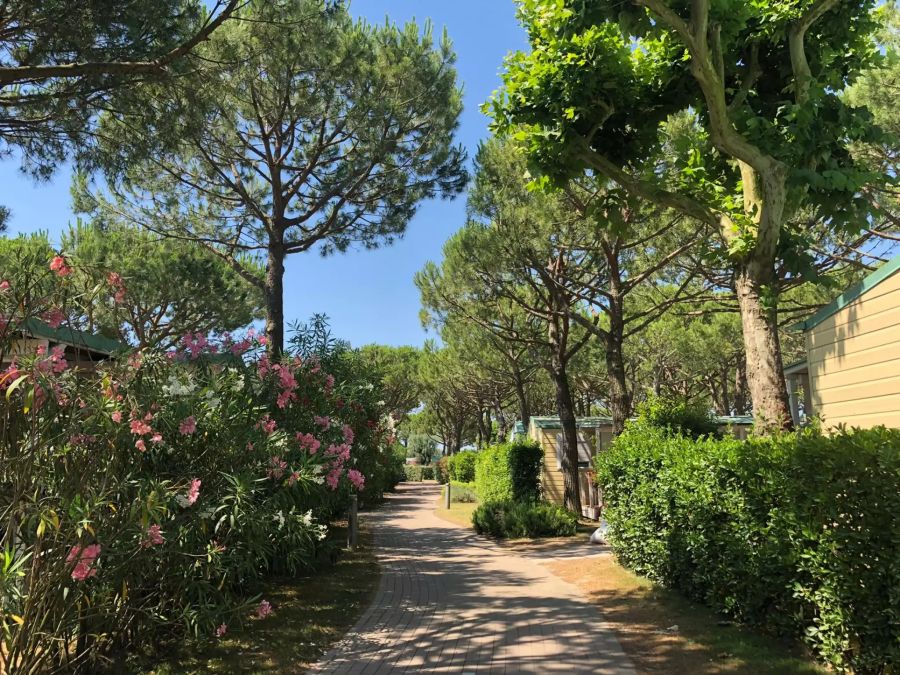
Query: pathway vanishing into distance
{"points": [[450, 601]]}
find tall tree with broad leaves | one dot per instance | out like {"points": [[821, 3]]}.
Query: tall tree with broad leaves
{"points": [[62, 61], [304, 130], [765, 81]]}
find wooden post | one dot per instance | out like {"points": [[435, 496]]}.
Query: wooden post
{"points": [[447, 497], [353, 534]]}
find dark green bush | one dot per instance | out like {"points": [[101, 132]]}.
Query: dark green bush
{"points": [[677, 416], [796, 533], [514, 520], [427, 473], [511, 471], [463, 492], [442, 470], [462, 466], [413, 472]]}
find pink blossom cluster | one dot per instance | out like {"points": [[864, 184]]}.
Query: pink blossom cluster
{"points": [[287, 383], [154, 537], [193, 492], [339, 455], [55, 363], [140, 427], [277, 467], [322, 421], [308, 442], [348, 434], [54, 317], [84, 558], [194, 344], [187, 426], [264, 609], [267, 424], [118, 286], [60, 266]]}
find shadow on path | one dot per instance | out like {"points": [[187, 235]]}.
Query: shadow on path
{"points": [[450, 601]]}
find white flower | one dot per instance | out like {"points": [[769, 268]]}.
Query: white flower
{"points": [[307, 518], [319, 480], [279, 518], [179, 387]]}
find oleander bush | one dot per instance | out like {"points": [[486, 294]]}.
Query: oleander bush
{"points": [[796, 533], [442, 470], [462, 466], [143, 501], [511, 519], [511, 471]]}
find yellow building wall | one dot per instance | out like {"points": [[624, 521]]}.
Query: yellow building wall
{"points": [[552, 477], [854, 360]]}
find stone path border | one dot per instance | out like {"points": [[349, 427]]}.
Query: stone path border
{"points": [[450, 601]]}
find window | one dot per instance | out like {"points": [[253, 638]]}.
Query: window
{"points": [[585, 449]]}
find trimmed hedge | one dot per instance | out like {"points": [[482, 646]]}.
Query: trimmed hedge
{"points": [[515, 520], [462, 466], [797, 533], [427, 473], [416, 472], [511, 471]]}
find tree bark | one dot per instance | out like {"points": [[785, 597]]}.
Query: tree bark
{"points": [[275, 300], [740, 388], [619, 401], [569, 454], [764, 368], [524, 408]]}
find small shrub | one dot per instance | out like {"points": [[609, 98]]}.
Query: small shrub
{"points": [[463, 493], [678, 416], [427, 473], [462, 466], [515, 520], [413, 472], [511, 471], [442, 470]]}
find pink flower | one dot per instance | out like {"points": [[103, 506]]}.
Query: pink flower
{"points": [[329, 383], [4, 285], [293, 478], [323, 422], [263, 340], [263, 609], [140, 428], [140, 445], [194, 491], [54, 318], [116, 417], [333, 478], [154, 537], [267, 424], [276, 468], [188, 426], [348, 434], [221, 630], [58, 265], [356, 478], [309, 442], [84, 559], [156, 438]]}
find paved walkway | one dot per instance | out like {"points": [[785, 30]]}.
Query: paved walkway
{"points": [[452, 602]]}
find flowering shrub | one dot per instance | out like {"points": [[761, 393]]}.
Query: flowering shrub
{"points": [[144, 499]]}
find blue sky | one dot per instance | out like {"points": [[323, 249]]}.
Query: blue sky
{"points": [[369, 295]]}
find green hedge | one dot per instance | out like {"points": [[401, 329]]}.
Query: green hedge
{"points": [[797, 533], [511, 471], [518, 519], [463, 492], [427, 473], [416, 472], [442, 470], [462, 466]]}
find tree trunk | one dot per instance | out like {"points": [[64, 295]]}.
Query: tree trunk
{"points": [[569, 453], [524, 408], [740, 388], [765, 371], [275, 300], [619, 401]]}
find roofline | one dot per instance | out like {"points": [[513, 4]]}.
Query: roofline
{"points": [[547, 422], [796, 367], [79, 339], [848, 296]]}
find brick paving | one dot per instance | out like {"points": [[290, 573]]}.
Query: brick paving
{"points": [[450, 601]]}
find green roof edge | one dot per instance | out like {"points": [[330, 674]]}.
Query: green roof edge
{"points": [[545, 422], [76, 338], [853, 293]]}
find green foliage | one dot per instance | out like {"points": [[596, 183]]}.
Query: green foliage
{"points": [[396, 368], [796, 533], [413, 472], [511, 471], [462, 466], [677, 416], [422, 447], [464, 493], [512, 519], [428, 472]]}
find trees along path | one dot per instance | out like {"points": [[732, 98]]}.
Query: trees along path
{"points": [[450, 601]]}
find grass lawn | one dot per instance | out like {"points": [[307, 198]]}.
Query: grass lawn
{"points": [[664, 633], [311, 613], [460, 513]]}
